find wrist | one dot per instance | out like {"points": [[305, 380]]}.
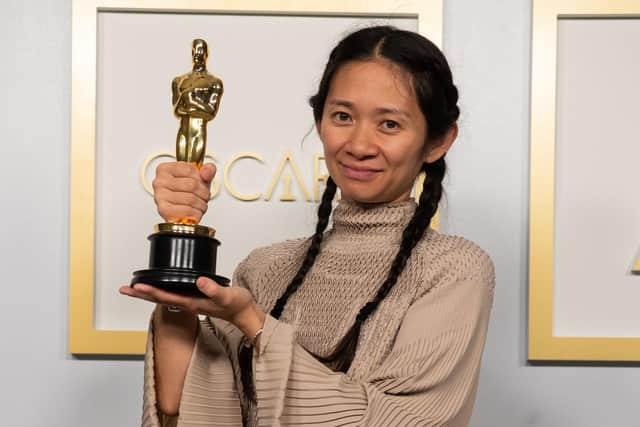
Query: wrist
{"points": [[170, 327], [250, 320], [162, 316]]}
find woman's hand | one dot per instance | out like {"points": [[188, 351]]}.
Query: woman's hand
{"points": [[181, 191], [175, 332], [233, 304]]}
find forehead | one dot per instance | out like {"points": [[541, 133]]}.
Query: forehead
{"points": [[199, 47], [373, 81]]}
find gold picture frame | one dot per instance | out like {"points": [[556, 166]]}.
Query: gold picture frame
{"points": [[84, 338], [542, 344]]}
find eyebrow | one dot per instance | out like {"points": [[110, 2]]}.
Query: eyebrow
{"points": [[341, 102], [380, 110], [388, 110]]}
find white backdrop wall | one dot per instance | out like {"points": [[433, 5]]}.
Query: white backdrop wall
{"points": [[488, 44]]}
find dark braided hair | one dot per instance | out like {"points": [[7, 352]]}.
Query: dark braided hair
{"points": [[324, 211], [437, 97]]}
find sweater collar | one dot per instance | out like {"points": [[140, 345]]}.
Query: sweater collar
{"points": [[385, 217]]}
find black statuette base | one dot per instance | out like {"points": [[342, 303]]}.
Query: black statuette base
{"points": [[176, 260]]}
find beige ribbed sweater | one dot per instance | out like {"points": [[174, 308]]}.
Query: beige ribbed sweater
{"points": [[418, 355]]}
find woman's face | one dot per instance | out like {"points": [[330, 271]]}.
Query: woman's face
{"points": [[373, 132]]}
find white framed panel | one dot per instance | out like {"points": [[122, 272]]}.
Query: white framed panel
{"points": [[270, 56], [268, 77], [597, 216], [583, 226]]}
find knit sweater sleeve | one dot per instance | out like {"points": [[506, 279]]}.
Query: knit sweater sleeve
{"points": [[428, 379]]}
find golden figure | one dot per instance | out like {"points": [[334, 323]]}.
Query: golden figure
{"points": [[196, 100], [179, 253]]}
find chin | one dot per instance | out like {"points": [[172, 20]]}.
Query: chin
{"points": [[360, 193], [366, 192], [369, 197], [363, 198]]}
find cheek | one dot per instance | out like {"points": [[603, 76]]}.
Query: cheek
{"points": [[407, 163], [330, 142]]}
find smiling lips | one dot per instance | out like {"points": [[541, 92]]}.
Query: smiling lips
{"points": [[359, 172]]}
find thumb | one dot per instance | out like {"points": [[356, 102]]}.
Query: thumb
{"points": [[207, 172], [208, 287]]}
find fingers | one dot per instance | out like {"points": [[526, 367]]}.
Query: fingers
{"points": [[181, 205], [182, 191], [207, 172], [177, 169], [222, 302], [156, 295], [191, 185], [135, 293], [178, 213]]}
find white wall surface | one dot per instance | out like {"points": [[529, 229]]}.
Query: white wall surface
{"points": [[488, 44]]}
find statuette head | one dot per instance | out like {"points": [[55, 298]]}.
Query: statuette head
{"points": [[199, 52]]}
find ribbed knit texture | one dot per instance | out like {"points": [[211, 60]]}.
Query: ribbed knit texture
{"points": [[418, 354]]}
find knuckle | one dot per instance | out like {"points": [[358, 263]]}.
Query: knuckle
{"points": [[166, 209], [203, 192], [160, 196], [184, 168], [195, 214], [156, 184], [178, 168], [183, 211], [160, 185], [225, 300], [165, 169], [194, 201]]}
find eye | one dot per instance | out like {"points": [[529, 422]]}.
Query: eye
{"points": [[390, 125], [341, 117]]}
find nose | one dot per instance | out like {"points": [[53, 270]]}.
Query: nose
{"points": [[362, 143]]}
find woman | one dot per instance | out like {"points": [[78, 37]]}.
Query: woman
{"points": [[379, 321]]}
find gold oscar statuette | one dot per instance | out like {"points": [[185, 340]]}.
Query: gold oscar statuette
{"points": [[182, 250]]}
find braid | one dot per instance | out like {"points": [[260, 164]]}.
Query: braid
{"points": [[344, 353], [245, 352], [324, 211]]}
